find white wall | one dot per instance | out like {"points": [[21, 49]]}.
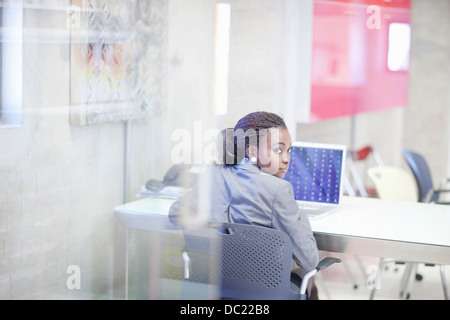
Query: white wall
{"points": [[425, 123], [269, 53]]}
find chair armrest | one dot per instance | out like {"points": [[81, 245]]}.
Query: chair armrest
{"points": [[432, 193], [437, 193], [187, 265], [441, 190], [304, 284], [326, 262]]}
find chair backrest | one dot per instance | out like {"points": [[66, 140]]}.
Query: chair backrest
{"points": [[393, 183], [246, 261], [422, 173]]}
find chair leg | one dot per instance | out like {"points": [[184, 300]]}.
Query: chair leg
{"points": [[380, 267], [323, 286], [410, 268], [404, 279], [360, 265], [444, 282], [349, 272]]}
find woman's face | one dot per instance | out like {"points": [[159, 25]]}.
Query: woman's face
{"points": [[274, 151]]}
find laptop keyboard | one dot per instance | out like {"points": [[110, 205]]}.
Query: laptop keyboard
{"points": [[307, 206]]}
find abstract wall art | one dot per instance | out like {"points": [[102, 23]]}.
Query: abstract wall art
{"points": [[117, 59]]}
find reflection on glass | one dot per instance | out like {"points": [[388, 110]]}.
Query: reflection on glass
{"points": [[221, 59], [11, 59], [399, 45], [157, 268]]}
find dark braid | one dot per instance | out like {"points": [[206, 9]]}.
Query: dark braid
{"points": [[247, 132]]}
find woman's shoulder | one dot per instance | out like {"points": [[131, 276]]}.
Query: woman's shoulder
{"points": [[249, 175], [257, 177]]}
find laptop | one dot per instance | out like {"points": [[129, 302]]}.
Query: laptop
{"points": [[316, 172]]}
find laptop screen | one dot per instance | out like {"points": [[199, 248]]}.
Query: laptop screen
{"points": [[315, 172]]}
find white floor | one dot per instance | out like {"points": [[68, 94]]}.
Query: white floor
{"points": [[336, 282]]}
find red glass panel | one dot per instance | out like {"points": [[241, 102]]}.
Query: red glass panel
{"points": [[406, 4], [350, 71]]}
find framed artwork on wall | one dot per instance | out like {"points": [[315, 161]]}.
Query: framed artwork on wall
{"points": [[117, 51]]}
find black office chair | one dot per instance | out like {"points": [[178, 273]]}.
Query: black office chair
{"points": [[245, 262], [422, 174]]}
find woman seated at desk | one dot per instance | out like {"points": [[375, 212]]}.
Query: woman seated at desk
{"points": [[248, 187]]}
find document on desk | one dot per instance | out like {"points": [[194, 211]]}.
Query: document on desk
{"points": [[151, 206], [173, 192]]}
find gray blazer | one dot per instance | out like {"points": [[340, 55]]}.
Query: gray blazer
{"points": [[243, 194]]}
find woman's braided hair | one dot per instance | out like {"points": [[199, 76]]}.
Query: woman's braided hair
{"points": [[247, 131]]}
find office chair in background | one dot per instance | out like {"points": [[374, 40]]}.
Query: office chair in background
{"points": [[397, 184], [356, 185], [421, 170], [393, 183], [427, 192], [245, 262]]}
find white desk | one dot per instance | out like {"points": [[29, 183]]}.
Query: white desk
{"points": [[409, 231], [414, 232]]}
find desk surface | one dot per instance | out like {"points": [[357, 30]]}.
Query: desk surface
{"points": [[389, 220], [411, 231]]}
